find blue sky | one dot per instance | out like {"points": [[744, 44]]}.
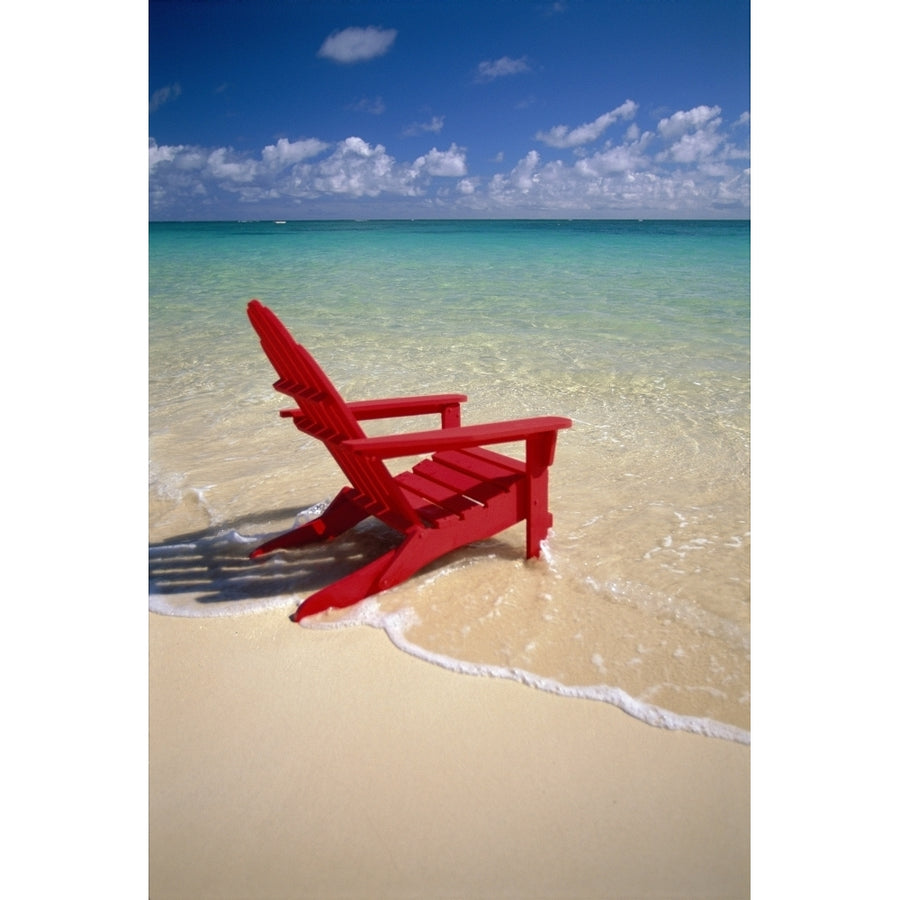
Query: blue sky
{"points": [[421, 108]]}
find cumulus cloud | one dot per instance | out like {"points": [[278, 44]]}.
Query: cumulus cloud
{"points": [[355, 168], [562, 136], [691, 120], [358, 44], [694, 148], [688, 164], [224, 167], [285, 152], [685, 167], [523, 177], [291, 172], [615, 159], [500, 68], [694, 135], [162, 154], [448, 163]]}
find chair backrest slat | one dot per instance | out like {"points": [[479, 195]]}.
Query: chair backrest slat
{"points": [[325, 414]]}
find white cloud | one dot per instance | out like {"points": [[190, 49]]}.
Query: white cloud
{"points": [[690, 164], [694, 148], [683, 122], [285, 153], [162, 154], [563, 136], [694, 134], [523, 176], [500, 68], [686, 167], [222, 166], [622, 158], [448, 163], [357, 44], [355, 168]]}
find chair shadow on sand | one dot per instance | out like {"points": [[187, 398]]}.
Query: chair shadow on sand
{"points": [[191, 571]]}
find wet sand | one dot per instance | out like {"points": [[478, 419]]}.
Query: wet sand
{"points": [[287, 762]]}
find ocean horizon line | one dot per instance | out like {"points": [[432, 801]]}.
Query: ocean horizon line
{"points": [[448, 219]]}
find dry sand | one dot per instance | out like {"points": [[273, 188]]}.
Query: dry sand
{"points": [[292, 763]]}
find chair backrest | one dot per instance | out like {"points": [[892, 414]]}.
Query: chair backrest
{"points": [[325, 414]]}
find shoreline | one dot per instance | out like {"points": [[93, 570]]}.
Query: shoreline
{"points": [[394, 626], [292, 762]]}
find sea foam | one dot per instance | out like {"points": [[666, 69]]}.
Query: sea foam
{"points": [[397, 623]]}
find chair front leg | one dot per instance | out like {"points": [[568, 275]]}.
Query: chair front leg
{"points": [[538, 520], [340, 516]]}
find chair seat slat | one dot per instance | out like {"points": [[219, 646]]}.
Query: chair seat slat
{"points": [[435, 493]]}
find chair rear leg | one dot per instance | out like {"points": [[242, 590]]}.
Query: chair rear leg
{"points": [[389, 570], [348, 590], [418, 549], [341, 515]]}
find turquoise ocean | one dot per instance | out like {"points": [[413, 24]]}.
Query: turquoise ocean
{"points": [[639, 331]]}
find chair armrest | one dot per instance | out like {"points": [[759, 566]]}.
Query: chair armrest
{"points": [[420, 442], [404, 406], [446, 405]]}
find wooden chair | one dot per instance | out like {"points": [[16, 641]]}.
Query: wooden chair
{"points": [[460, 493]]}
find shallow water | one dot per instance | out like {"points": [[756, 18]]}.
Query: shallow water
{"points": [[638, 331]]}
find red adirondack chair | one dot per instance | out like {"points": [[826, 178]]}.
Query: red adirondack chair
{"points": [[460, 493]]}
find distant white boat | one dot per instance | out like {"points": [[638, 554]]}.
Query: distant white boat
{"points": [[281, 221]]}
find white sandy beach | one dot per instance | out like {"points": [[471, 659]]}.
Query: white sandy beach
{"points": [[287, 762]]}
